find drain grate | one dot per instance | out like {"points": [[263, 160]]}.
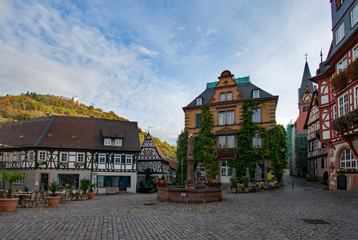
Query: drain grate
{"points": [[149, 204], [315, 221]]}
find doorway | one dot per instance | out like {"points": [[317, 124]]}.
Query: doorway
{"points": [[44, 181]]}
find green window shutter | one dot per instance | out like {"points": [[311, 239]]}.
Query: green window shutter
{"points": [[199, 121], [107, 158], [133, 159], [112, 158], [96, 158], [123, 159]]}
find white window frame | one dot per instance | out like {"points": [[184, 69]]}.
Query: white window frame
{"points": [[117, 158], [129, 159], [230, 141], [31, 155], [199, 101], [230, 119], [222, 116], [343, 105], [256, 115], [222, 141], [107, 141], [19, 157], [102, 158], [355, 52], [256, 141], [356, 97], [42, 156], [339, 33], [222, 97], [354, 15], [347, 159], [342, 65], [63, 157], [229, 96], [118, 142], [80, 157], [256, 94]]}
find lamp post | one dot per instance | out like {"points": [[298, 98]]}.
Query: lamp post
{"points": [[181, 175]]}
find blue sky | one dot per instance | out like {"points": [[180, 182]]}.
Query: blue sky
{"points": [[145, 60]]}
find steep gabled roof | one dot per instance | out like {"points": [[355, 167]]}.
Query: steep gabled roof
{"points": [[149, 141]]}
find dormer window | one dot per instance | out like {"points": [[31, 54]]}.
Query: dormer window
{"points": [[256, 94], [354, 15], [199, 101], [342, 65], [340, 33], [107, 141], [118, 142]]}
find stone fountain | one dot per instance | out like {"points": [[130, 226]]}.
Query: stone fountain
{"points": [[191, 193]]}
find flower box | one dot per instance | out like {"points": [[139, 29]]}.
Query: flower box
{"points": [[347, 170]]}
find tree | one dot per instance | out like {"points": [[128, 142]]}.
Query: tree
{"points": [[274, 148], [204, 145], [181, 154], [11, 178]]}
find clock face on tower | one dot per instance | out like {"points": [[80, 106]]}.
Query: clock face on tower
{"points": [[307, 98]]}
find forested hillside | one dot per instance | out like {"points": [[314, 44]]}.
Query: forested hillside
{"points": [[32, 105]]}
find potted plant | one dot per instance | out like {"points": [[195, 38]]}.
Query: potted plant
{"points": [[87, 186], [233, 184], [9, 204], [245, 182], [53, 199]]}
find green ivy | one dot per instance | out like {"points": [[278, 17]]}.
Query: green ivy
{"points": [[181, 154]]}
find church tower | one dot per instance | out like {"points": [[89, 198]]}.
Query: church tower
{"points": [[306, 90]]}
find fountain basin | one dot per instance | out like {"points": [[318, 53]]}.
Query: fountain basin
{"points": [[189, 195]]}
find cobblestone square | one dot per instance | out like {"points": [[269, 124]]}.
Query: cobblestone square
{"points": [[303, 212]]}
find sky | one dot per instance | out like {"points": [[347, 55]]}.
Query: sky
{"points": [[146, 60]]}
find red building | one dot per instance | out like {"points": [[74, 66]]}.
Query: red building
{"points": [[338, 97]]}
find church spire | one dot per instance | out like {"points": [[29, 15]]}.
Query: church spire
{"points": [[305, 82]]}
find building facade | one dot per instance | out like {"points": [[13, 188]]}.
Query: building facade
{"points": [[68, 149], [225, 100], [151, 157], [338, 96]]}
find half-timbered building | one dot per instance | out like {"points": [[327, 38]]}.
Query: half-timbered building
{"points": [[338, 97], [225, 100], [151, 157], [317, 151], [67, 149]]}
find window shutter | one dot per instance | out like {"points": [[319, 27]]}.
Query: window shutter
{"points": [[199, 120], [123, 159], [96, 158], [107, 158], [133, 159], [112, 158]]}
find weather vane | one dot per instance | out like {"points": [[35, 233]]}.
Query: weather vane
{"points": [[306, 56]]}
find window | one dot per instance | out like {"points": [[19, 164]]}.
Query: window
{"points": [[230, 117], [70, 180], [340, 33], [117, 158], [221, 118], [354, 15], [256, 141], [256, 94], [343, 105], [334, 112], [31, 155], [80, 157], [107, 141], [222, 97], [64, 157], [338, 3], [199, 101], [355, 53], [356, 97], [198, 121], [128, 159], [347, 159], [342, 65], [256, 115], [231, 141], [154, 166], [42, 156], [102, 158], [118, 142], [228, 96], [19, 157], [222, 141]]}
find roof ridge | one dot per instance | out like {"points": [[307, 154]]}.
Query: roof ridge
{"points": [[45, 131]]}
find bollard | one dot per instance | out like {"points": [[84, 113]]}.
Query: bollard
{"points": [[293, 184]]}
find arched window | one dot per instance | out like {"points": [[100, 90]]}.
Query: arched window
{"points": [[348, 160]]}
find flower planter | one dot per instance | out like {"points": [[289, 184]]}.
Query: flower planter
{"points": [[8, 204], [53, 201], [90, 195]]}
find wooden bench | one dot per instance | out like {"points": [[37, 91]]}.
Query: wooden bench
{"points": [[112, 190]]}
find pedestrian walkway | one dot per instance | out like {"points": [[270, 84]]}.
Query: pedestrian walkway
{"points": [[303, 212]]}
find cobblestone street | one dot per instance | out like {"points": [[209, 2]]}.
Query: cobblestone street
{"points": [[303, 212]]}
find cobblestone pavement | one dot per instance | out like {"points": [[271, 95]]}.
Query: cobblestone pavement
{"points": [[303, 212]]}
